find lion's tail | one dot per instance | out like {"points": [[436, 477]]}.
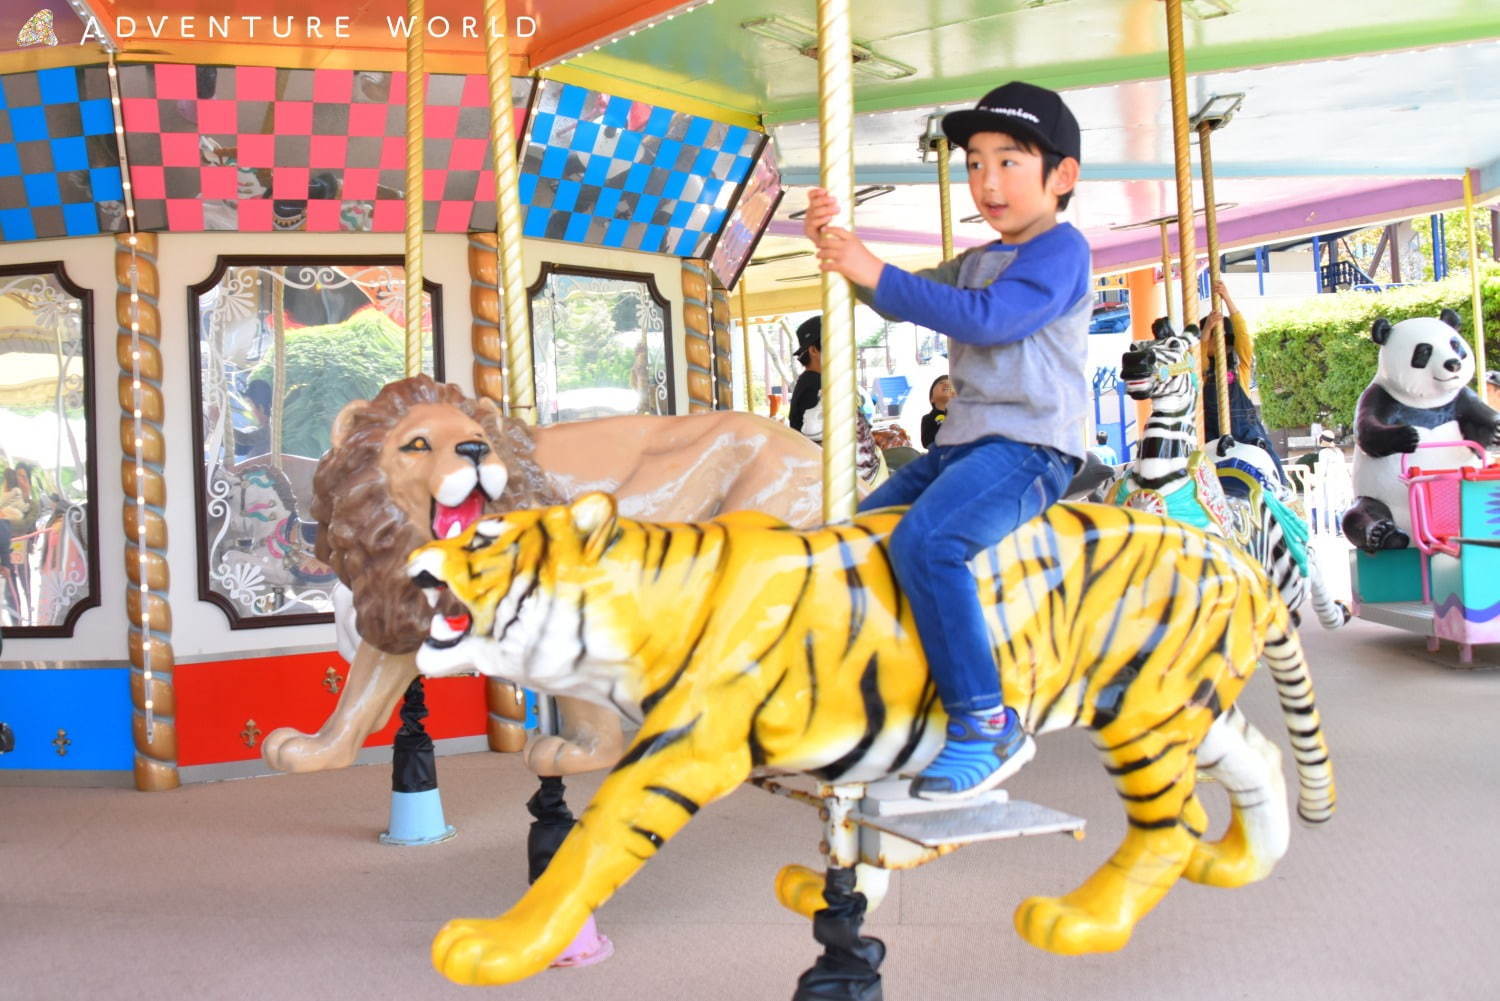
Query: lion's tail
{"points": [[1283, 654]]}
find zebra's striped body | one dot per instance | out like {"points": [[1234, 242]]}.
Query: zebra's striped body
{"points": [[1171, 476]]}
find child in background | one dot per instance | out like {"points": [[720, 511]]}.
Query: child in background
{"points": [[1017, 314], [938, 395]]}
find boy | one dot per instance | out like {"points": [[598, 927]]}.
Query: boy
{"points": [[1017, 314]]}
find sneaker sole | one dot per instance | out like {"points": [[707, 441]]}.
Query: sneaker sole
{"points": [[1013, 764]]}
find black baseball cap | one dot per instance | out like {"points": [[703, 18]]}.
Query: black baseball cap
{"points": [[1023, 110], [809, 335]]}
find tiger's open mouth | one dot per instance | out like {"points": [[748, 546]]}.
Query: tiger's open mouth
{"points": [[445, 630], [448, 522]]}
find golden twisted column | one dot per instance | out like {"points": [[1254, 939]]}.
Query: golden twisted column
{"points": [[697, 334], [520, 377], [745, 343], [484, 306], [1187, 250], [1211, 230], [278, 391], [505, 704], [723, 351], [143, 444], [1166, 269], [1478, 299], [416, 98], [945, 197], [836, 175]]}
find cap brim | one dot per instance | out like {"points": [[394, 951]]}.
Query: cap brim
{"points": [[960, 126]]}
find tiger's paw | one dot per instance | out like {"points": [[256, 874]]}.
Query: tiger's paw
{"points": [[1052, 924], [800, 890], [483, 952]]}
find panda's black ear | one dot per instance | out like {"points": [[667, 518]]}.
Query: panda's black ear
{"points": [[1161, 327], [1380, 332], [1449, 317], [1225, 444]]}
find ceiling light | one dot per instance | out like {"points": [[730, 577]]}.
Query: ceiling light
{"points": [[804, 40], [1217, 111], [1172, 219], [777, 258], [1207, 10], [860, 197]]}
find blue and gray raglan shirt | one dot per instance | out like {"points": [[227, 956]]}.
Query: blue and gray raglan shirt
{"points": [[1018, 319]]}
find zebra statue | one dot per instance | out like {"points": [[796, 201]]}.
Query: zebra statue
{"points": [[1170, 476]]}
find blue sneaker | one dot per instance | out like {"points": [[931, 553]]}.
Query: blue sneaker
{"points": [[981, 752]]}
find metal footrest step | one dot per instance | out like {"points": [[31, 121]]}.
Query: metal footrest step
{"points": [[993, 816]]}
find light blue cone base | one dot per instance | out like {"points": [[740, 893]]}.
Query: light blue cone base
{"points": [[417, 819]]}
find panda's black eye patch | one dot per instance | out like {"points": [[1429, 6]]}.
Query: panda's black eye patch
{"points": [[1458, 348], [1421, 356]]}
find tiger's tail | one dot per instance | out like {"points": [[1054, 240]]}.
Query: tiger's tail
{"points": [[1283, 654]]}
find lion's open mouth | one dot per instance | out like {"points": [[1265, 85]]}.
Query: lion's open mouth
{"points": [[450, 521]]}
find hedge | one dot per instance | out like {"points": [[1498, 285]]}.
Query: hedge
{"points": [[1313, 360]]}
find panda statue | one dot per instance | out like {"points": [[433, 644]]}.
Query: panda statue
{"points": [[1420, 393]]}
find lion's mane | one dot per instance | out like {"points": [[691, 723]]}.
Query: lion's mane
{"points": [[366, 537]]}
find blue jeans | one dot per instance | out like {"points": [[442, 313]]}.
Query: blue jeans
{"points": [[964, 498]]}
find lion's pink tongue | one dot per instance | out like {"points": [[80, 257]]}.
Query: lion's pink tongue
{"points": [[462, 516]]}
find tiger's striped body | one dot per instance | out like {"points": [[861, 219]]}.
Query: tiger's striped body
{"points": [[740, 643]]}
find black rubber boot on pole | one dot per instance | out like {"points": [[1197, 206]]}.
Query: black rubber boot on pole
{"points": [[553, 822], [848, 970], [413, 765]]}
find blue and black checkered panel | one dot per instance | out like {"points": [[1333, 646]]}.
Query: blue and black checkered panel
{"points": [[59, 165], [612, 172]]}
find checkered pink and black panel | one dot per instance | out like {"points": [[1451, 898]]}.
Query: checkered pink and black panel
{"points": [[259, 149]]}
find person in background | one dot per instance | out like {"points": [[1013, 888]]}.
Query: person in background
{"points": [[806, 411], [256, 439], [938, 394], [1103, 450], [1245, 423]]}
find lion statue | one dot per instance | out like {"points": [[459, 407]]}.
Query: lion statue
{"points": [[421, 462]]}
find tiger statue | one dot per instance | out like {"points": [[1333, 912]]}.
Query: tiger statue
{"points": [[1171, 476], [738, 644]]}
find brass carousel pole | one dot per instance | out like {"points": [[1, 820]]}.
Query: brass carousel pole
{"points": [[520, 378], [506, 729], [1186, 235], [1478, 299], [1166, 268], [416, 81], [848, 967], [836, 175], [1211, 229], [945, 198]]}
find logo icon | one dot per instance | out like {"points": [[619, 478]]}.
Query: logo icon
{"points": [[37, 30]]}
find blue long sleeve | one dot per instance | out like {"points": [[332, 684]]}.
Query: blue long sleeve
{"points": [[1046, 279]]}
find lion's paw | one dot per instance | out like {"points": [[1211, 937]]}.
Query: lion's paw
{"points": [[290, 750], [482, 952], [1053, 924]]}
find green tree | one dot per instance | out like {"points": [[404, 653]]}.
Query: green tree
{"points": [[326, 367], [1314, 359]]}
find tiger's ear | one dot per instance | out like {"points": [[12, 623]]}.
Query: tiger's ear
{"points": [[344, 422], [594, 516]]}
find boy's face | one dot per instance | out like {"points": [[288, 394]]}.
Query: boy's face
{"points": [[1006, 182]]}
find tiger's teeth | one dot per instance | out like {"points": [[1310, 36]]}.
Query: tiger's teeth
{"points": [[454, 529], [441, 631]]}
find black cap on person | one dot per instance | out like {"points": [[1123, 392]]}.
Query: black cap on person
{"points": [[1023, 110]]}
